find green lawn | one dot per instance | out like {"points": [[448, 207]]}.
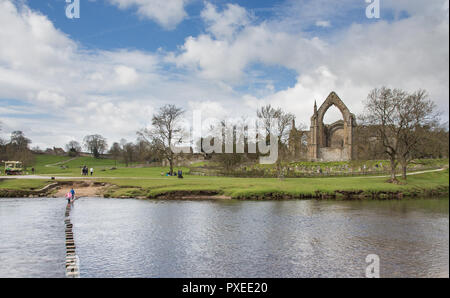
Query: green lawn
{"points": [[23, 184], [153, 183], [46, 164], [68, 166], [246, 187], [102, 170], [149, 181]]}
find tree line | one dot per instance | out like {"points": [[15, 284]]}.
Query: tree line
{"points": [[394, 125], [16, 148]]}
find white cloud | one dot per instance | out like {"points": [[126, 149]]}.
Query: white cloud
{"points": [[167, 13], [126, 75], [234, 43], [115, 92], [223, 25], [408, 53], [46, 96], [58, 80]]}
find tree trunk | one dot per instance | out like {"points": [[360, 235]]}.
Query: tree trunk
{"points": [[171, 165], [393, 166], [404, 171]]}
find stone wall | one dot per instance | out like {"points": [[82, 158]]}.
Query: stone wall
{"points": [[333, 154]]}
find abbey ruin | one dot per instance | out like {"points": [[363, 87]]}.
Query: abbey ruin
{"points": [[325, 142]]}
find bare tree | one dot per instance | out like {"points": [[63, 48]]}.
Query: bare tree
{"points": [[19, 141], [96, 144], [115, 152], [269, 115], [381, 111], [164, 132], [128, 153], [399, 121], [415, 112], [73, 148], [18, 148], [229, 160]]}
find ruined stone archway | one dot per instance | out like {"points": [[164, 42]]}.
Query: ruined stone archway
{"points": [[320, 135], [334, 134]]}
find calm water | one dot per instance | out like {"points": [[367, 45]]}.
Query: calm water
{"points": [[134, 238], [32, 238]]}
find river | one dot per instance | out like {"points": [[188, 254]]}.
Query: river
{"points": [[150, 238]]}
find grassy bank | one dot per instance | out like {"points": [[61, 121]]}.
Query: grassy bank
{"points": [[22, 184], [23, 187], [53, 165], [149, 182], [262, 188]]}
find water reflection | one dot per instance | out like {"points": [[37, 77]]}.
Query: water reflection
{"points": [[133, 238], [32, 238], [260, 239]]}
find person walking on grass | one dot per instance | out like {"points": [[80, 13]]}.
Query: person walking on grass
{"points": [[92, 171]]}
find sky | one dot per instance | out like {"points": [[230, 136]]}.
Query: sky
{"points": [[109, 70]]}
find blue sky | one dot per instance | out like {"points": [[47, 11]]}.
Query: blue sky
{"points": [[104, 26], [122, 59]]}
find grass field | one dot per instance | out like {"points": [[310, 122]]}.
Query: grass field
{"points": [[150, 181], [155, 184], [67, 166], [23, 184], [250, 187]]}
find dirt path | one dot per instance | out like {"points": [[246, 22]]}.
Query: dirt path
{"points": [[164, 178], [82, 189], [407, 174], [60, 162]]}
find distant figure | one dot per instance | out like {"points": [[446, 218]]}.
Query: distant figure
{"points": [[68, 196], [92, 171], [180, 174], [32, 171], [72, 193]]}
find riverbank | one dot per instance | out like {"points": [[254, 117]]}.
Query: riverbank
{"points": [[432, 183]]}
